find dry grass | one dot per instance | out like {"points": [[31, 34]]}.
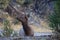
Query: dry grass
{"points": [[35, 28]]}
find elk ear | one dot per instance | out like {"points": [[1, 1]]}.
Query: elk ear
{"points": [[26, 17]]}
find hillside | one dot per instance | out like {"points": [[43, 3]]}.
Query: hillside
{"points": [[38, 16]]}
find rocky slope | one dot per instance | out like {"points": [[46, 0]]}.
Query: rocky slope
{"points": [[37, 16]]}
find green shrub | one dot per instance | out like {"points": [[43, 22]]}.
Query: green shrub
{"points": [[4, 3], [54, 18], [7, 30]]}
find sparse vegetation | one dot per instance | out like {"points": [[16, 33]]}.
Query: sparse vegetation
{"points": [[8, 31], [24, 2], [4, 3], [15, 21]]}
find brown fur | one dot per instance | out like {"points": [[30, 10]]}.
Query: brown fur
{"points": [[23, 19]]}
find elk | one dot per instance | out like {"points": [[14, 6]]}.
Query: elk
{"points": [[23, 18]]}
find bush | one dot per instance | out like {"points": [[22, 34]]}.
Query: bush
{"points": [[54, 18], [4, 3]]}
